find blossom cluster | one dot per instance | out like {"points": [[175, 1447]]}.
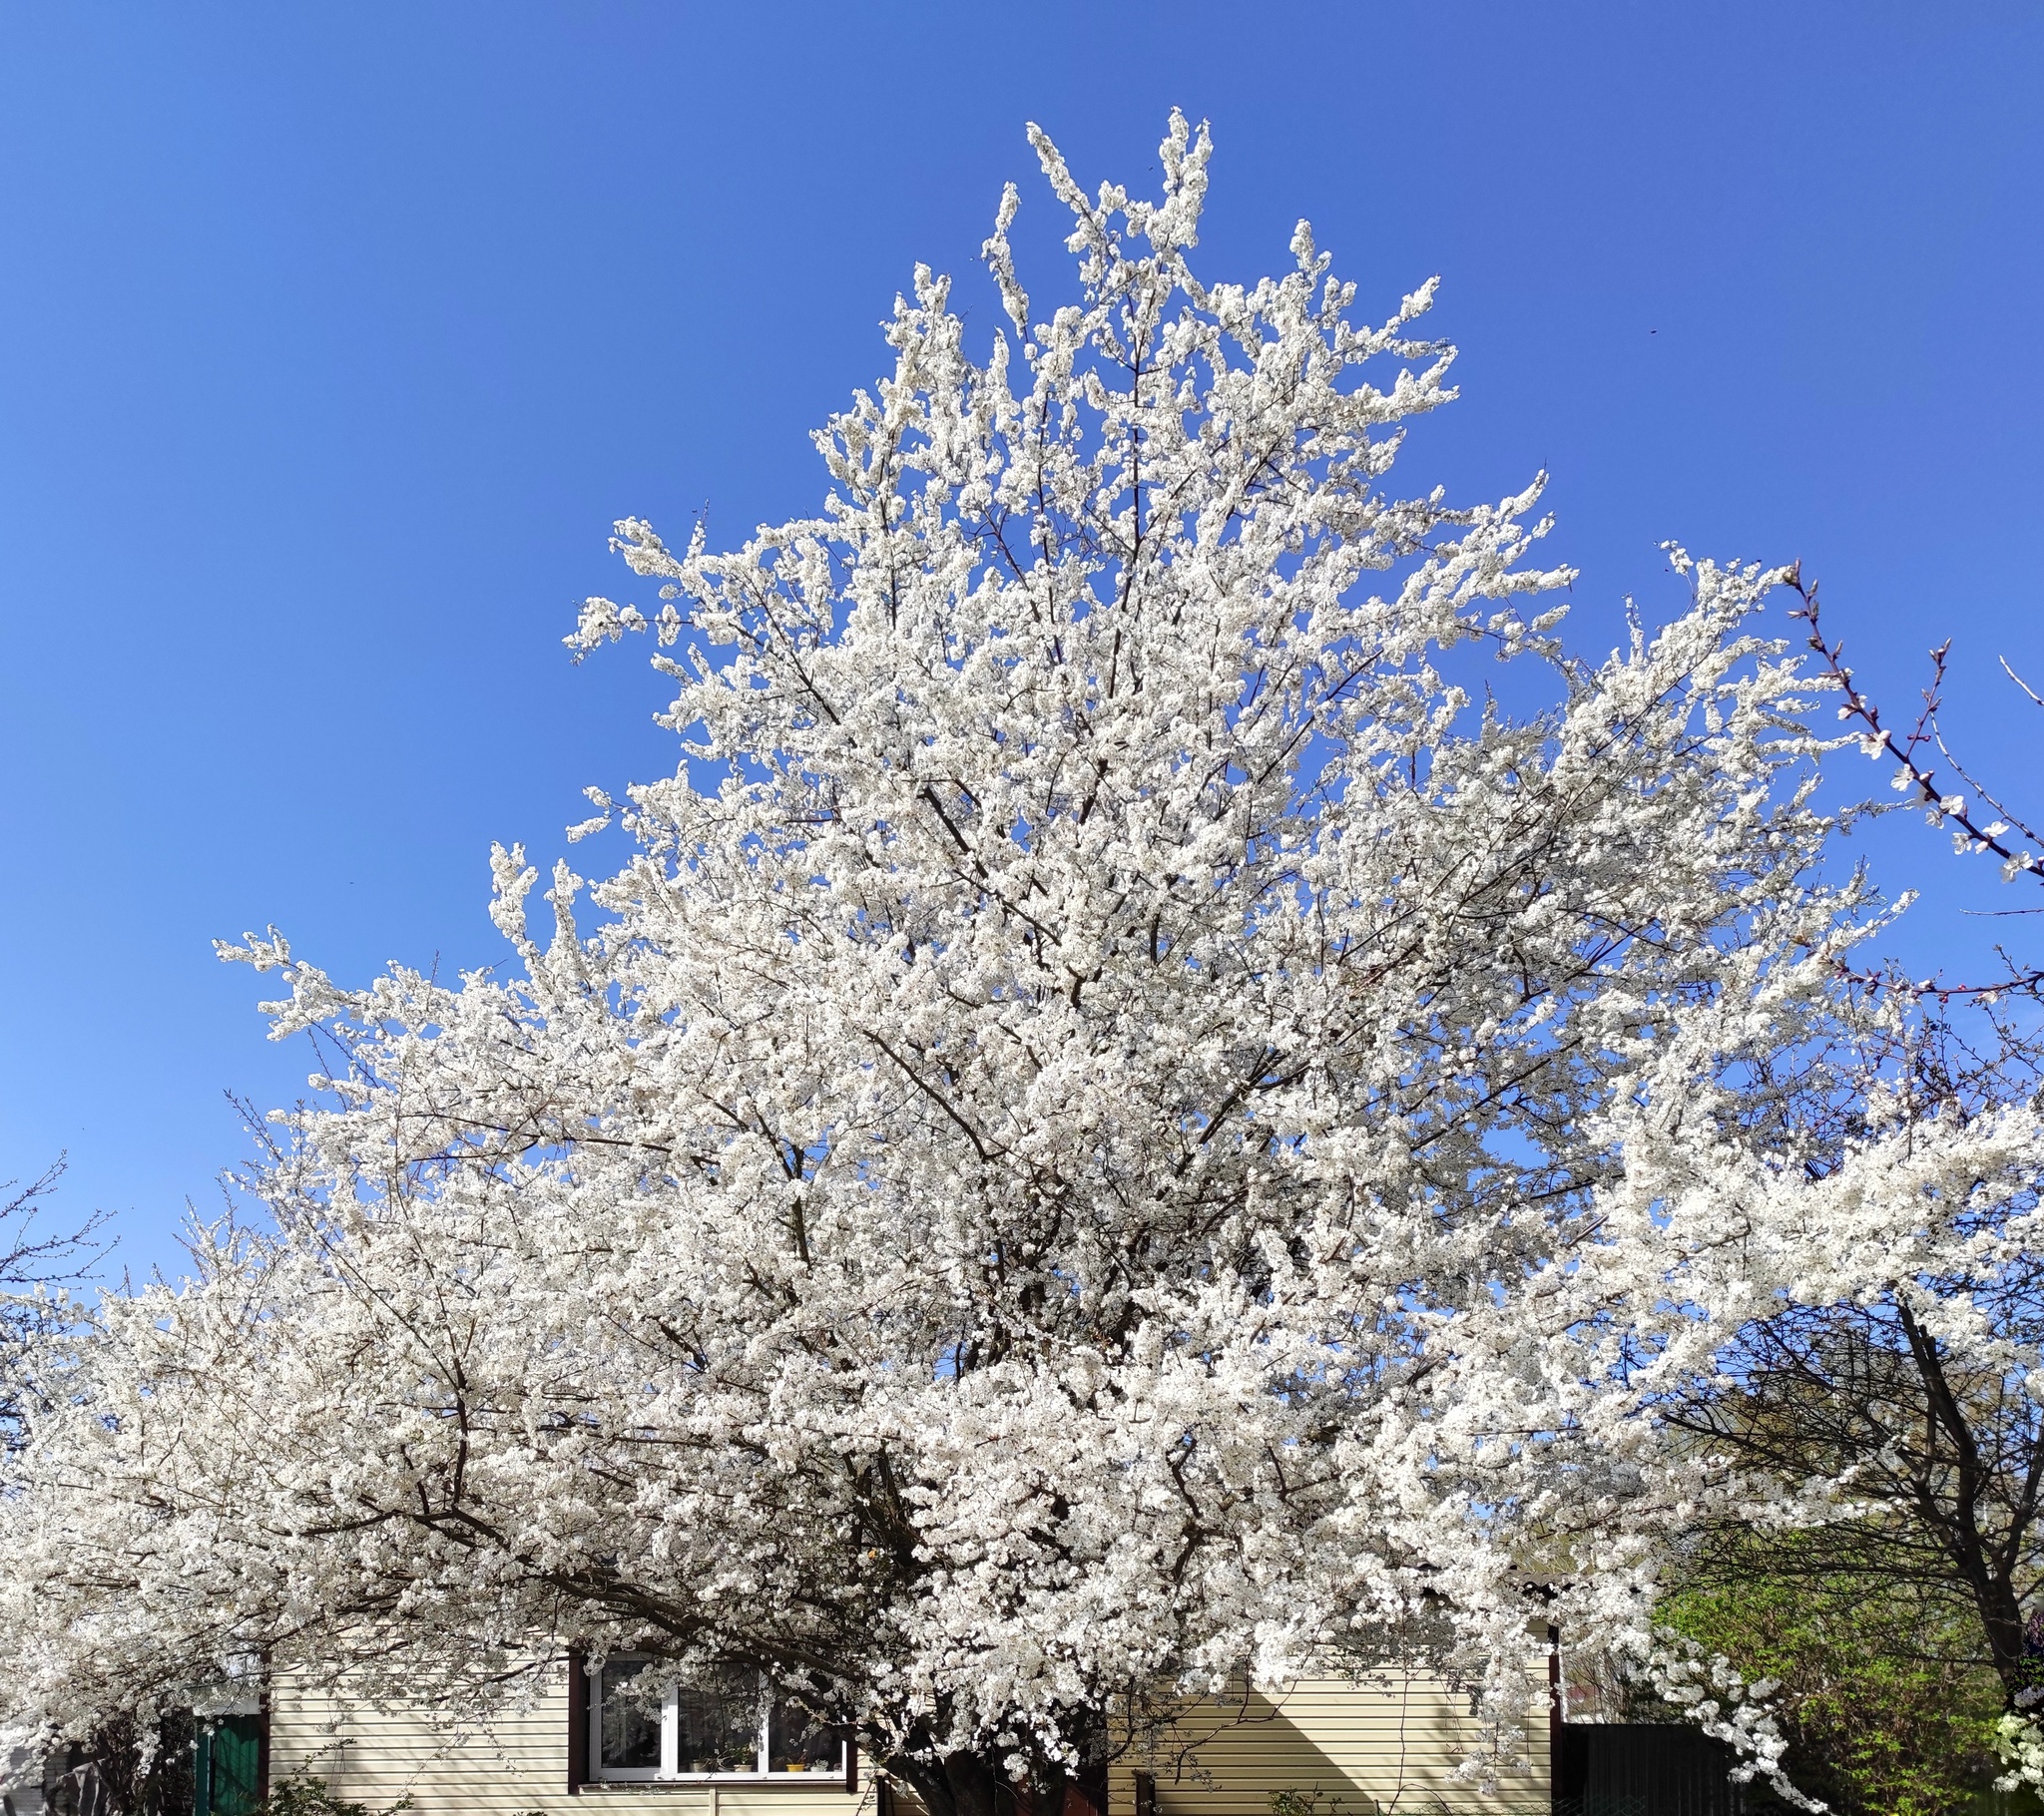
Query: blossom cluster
{"points": [[1119, 1131]]}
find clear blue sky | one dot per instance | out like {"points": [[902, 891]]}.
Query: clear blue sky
{"points": [[332, 337]]}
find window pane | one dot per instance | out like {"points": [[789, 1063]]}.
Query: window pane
{"points": [[631, 1723], [798, 1742], [719, 1728]]}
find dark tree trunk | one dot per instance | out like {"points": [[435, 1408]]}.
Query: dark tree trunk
{"points": [[1978, 1560], [959, 1784], [978, 1783]]}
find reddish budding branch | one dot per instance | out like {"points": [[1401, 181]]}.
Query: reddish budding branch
{"points": [[2007, 835]]}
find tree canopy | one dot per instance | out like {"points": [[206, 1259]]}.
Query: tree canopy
{"points": [[1120, 1128]]}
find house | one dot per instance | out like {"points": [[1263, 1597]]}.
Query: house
{"points": [[1326, 1747], [586, 1746], [21, 1782]]}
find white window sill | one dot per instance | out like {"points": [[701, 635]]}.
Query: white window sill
{"points": [[699, 1781]]}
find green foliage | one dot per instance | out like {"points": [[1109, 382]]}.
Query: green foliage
{"points": [[302, 1795], [1886, 1706]]}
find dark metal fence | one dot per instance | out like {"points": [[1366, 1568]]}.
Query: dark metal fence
{"points": [[1645, 1769]]}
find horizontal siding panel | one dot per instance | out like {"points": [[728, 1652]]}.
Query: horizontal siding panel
{"points": [[1344, 1748]]}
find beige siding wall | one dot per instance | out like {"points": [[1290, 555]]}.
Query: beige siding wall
{"points": [[1347, 1749], [520, 1763]]}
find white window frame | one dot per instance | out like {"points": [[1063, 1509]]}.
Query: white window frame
{"points": [[669, 1770]]}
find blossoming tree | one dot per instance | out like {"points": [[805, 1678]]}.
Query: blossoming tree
{"points": [[1117, 1131], [36, 1263]]}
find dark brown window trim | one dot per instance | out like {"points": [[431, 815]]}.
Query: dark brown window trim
{"points": [[577, 1722]]}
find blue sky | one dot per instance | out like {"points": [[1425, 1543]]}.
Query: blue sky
{"points": [[333, 337]]}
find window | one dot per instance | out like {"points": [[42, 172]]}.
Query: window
{"points": [[728, 1728], [626, 1737]]}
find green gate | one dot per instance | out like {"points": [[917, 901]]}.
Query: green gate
{"points": [[228, 1767]]}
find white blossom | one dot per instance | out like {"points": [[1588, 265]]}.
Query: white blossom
{"points": [[1134, 1135]]}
